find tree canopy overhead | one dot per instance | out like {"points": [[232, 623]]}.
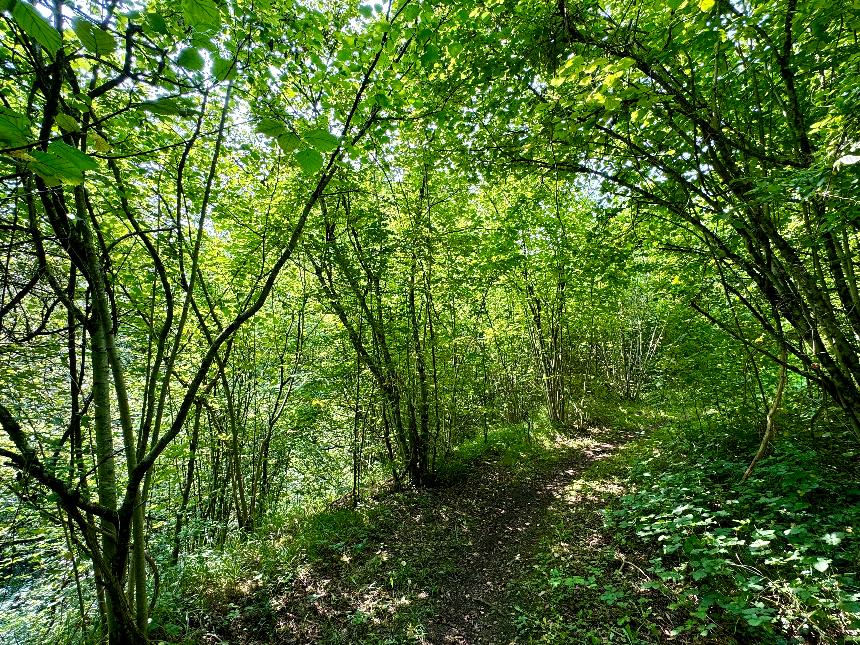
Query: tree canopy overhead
{"points": [[259, 252]]}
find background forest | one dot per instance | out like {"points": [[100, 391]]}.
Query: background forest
{"points": [[275, 273]]}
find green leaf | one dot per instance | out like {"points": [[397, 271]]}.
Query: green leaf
{"points": [[674, 5], [271, 127], [36, 27], [6, 5], [707, 5], [94, 38], [14, 128], [54, 169], [168, 106], [156, 23], [66, 122], [366, 11], [190, 59], [289, 142], [223, 69], [821, 565], [431, 55], [309, 160], [71, 154], [321, 140], [201, 14]]}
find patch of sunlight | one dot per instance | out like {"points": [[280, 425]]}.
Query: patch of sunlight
{"points": [[417, 632], [597, 491]]}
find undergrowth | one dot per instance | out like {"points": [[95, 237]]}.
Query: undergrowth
{"points": [[770, 560], [658, 540]]}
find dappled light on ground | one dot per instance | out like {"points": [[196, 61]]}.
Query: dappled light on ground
{"points": [[439, 566]]}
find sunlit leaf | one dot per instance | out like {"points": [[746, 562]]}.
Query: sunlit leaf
{"points": [[190, 59], [321, 140], [309, 160], [35, 26], [71, 154], [201, 14], [93, 38]]}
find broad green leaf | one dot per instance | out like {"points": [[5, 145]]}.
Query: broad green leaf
{"points": [[66, 122], [321, 140], [223, 69], [201, 14], [190, 59], [365, 11], [36, 27], [6, 5], [98, 142], [14, 128], [168, 106], [271, 127], [71, 154], [54, 168], [431, 55], [309, 160], [94, 38], [289, 142], [156, 23]]}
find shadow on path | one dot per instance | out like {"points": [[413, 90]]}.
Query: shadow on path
{"points": [[431, 567]]}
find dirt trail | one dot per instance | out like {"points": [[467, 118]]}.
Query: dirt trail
{"points": [[508, 518], [437, 567]]}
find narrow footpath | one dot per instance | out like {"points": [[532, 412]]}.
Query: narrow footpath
{"points": [[443, 566]]}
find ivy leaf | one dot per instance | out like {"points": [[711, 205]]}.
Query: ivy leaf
{"points": [[190, 59], [74, 156], [309, 160], [201, 14], [93, 38], [321, 140], [14, 128], [55, 169], [36, 27]]}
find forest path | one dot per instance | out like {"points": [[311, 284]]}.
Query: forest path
{"points": [[506, 514], [441, 566]]}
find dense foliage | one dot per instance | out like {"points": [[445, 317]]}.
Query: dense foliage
{"points": [[263, 257]]}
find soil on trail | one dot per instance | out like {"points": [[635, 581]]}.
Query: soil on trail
{"points": [[436, 567], [508, 518]]}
